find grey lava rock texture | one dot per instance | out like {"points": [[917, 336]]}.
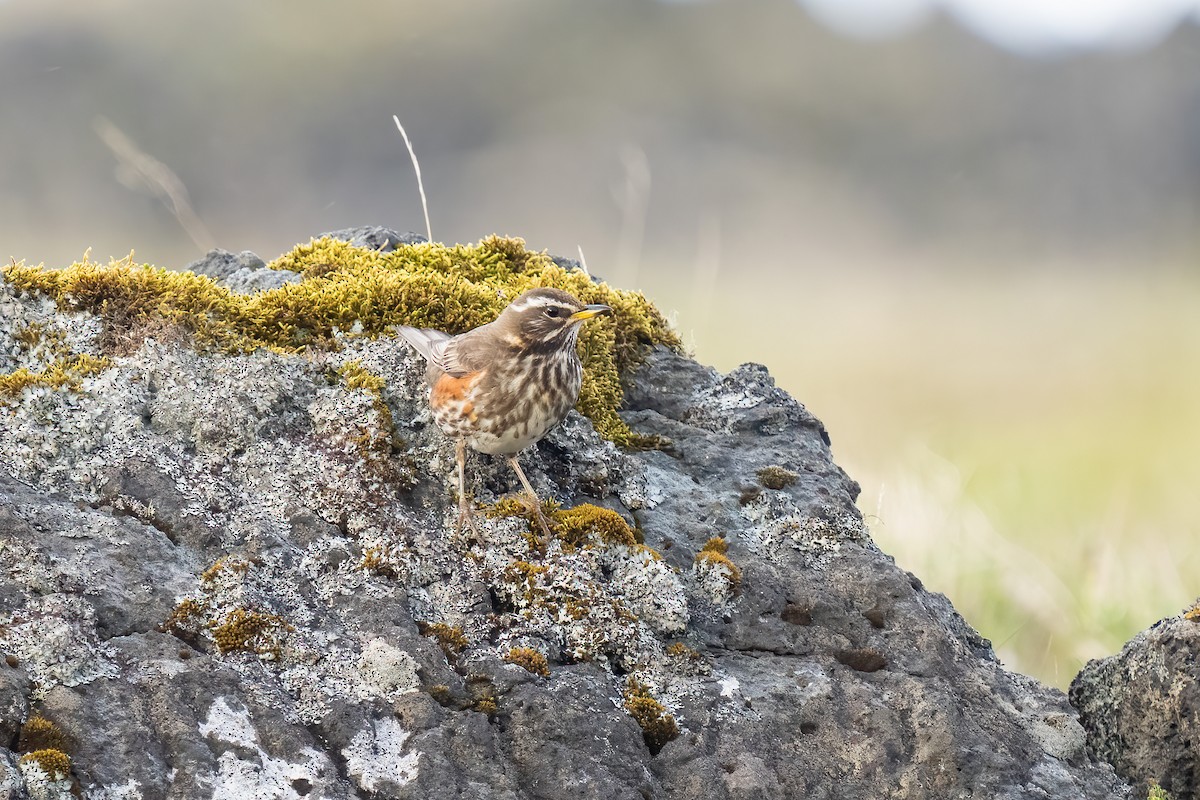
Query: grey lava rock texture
{"points": [[1141, 707], [237, 576]]}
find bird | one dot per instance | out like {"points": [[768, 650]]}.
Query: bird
{"points": [[499, 388]]}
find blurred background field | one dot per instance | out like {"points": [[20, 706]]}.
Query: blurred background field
{"points": [[967, 241]]}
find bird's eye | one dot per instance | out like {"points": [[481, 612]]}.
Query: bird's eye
{"points": [[553, 311]]}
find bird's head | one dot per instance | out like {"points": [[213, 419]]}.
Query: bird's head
{"points": [[545, 317]]}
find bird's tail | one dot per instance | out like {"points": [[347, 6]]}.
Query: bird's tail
{"points": [[423, 340]]}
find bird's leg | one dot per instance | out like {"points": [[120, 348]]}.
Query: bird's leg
{"points": [[537, 504], [464, 508]]}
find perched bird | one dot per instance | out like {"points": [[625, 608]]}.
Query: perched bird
{"points": [[502, 386]]}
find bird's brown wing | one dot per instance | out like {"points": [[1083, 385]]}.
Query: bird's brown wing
{"points": [[466, 353]]}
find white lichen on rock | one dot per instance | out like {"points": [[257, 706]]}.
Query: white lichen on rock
{"points": [[54, 637], [649, 588], [245, 771], [41, 786], [375, 756], [817, 533]]}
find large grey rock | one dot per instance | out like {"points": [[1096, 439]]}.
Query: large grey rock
{"points": [[217, 570], [1141, 707]]}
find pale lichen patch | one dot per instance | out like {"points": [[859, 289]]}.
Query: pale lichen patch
{"points": [[375, 756], [245, 771]]}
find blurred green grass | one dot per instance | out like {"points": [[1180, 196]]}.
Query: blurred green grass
{"points": [[1027, 444]]}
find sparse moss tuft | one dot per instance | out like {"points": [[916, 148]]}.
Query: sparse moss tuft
{"points": [[520, 506], [487, 705], [236, 566], [450, 638], [658, 727], [710, 559], [716, 545], [373, 435], [530, 659], [380, 561], [578, 526], [1193, 613], [68, 371], [776, 477], [55, 763], [682, 651], [686, 661], [39, 733], [186, 617], [453, 288]]}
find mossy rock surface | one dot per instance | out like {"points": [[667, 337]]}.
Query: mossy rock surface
{"points": [[357, 291]]}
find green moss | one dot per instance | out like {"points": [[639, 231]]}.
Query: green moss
{"points": [[450, 638], [55, 763], [39, 733], [68, 372], [586, 523], [1156, 792], [776, 477], [530, 659], [658, 727], [453, 288]]}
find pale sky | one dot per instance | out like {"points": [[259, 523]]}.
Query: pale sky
{"points": [[1029, 26]]}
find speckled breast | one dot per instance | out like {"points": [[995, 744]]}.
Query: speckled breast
{"points": [[502, 411]]}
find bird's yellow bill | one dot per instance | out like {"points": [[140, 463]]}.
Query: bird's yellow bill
{"points": [[590, 311]]}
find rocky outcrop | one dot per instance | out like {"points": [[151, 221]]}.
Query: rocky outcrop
{"points": [[1141, 707], [236, 576]]}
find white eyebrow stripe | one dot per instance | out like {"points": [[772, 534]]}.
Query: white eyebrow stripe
{"points": [[541, 302]]}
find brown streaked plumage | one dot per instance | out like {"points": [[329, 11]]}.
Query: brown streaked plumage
{"points": [[501, 387]]}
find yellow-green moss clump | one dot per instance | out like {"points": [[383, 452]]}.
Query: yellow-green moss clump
{"points": [[39, 733], [1193, 613], [350, 288], [776, 477], [450, 638], [658, 727], [585, 525], [247, 631], [530, 659], [585, 522], [68, 371], [55, 763], [44, 744]]}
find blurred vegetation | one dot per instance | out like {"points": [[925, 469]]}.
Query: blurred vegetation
{"points": [[979, 270]]}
